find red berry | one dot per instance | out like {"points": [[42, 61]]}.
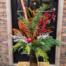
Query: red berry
{"points": [[29, 40]]}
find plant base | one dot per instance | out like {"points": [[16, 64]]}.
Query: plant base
{"points": [[23, 64], [43, 64], [33, 64]]}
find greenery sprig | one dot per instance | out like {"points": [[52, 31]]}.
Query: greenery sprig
{"points": [[38, 14], [40, 47]]}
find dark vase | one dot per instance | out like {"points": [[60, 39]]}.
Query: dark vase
{"points": [[33, 59]]}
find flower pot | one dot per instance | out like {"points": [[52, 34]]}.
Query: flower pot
{"points": [[33, 60], [43, 64], [23, 64]]}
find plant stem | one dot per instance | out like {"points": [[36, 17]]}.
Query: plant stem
{"points": [[24, 9]]}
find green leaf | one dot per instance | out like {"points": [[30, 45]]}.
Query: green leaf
{"points": [[16, 46], [27, 49], [19, 45], [40, 52], [45, 43]]}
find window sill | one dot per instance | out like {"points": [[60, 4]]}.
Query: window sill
{"points": [[50, 64]]}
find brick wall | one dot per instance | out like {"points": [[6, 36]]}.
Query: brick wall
{"points": [[63, 46], [3, 33]]}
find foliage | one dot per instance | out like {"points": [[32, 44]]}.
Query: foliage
{"points": [[37, 16], [29, 29], [43, 54], [39, 46], [35, 20]]}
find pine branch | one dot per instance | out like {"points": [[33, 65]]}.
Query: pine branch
{"points": [[37, 16]]}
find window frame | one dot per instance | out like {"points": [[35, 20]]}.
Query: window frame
{"points": [[59, 30]]}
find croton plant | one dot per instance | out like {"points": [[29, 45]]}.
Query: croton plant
{"points": [[34, 34]]}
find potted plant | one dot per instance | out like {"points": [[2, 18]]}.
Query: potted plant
{"points": [[33, 37]]}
